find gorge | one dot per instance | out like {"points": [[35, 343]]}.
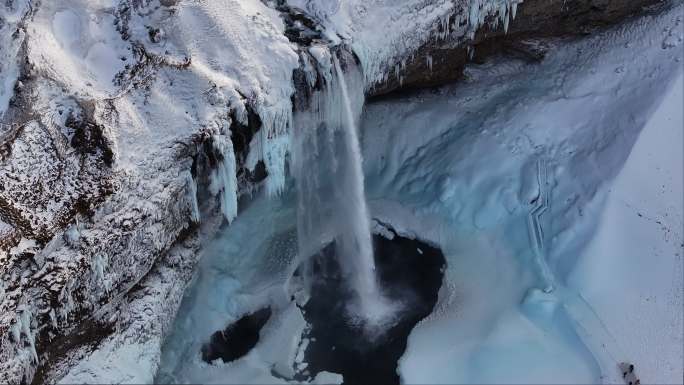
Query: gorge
{"points": [[244, 191]]}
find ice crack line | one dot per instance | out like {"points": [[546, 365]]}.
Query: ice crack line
{"points": [[535, 226]]}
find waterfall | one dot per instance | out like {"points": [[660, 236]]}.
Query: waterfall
{"points": [[355, 246], [327, 166]]}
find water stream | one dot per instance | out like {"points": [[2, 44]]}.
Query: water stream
{"points": [[330, 185]]}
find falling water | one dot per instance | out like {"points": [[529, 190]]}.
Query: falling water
{"points": [[331, 200], [354, 241]]}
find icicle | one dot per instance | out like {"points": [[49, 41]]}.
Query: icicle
{"points": [[275, 141], [223, 178], [192, 198], [506, 20], [429, 62], [98, 267], [23, 326], [514, 9]]}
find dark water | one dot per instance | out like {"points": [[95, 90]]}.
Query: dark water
{"points": [[337, 345], [410, 273], [237, 339]]}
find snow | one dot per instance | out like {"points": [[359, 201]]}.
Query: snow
{"points": [[384, 33], [494, 150], [213, 58], [327, 378], [508, 174], [127, 366], [77, 43], [253, 57], [244, 269], [155, 100], [639, 240]]}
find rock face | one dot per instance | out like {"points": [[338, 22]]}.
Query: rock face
{"points": [[115, 144], [517, 30], [128, 130]]}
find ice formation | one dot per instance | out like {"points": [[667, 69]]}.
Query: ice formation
{"points": [[509, 222], [195, 215], [223, 178], [10, 44]]}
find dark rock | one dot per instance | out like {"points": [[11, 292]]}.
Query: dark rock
{"points": [[535, 19], [237, 339]]}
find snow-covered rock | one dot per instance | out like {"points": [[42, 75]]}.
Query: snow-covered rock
{"points": [[116, 104]]}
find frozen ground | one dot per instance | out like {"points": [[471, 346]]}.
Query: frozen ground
{"points": [[466, 169], [639, 242], [526, 178]]}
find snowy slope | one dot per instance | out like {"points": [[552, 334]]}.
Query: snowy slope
{"points": [[521, 159], [631, 271]]}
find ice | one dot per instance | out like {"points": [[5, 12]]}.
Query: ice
{"points": [[385, 34], [11, 38], [507, 173], [195, 215], [281, 342], [244, 269], [327, 378], [98, 266], [223, 178], [22, 327]]}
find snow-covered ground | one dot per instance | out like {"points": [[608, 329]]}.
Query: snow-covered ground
{"points": [[244, 269], [631, 271], [554, 191], [510, 175]]}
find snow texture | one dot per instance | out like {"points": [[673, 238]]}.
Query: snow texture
{"points": [[11, 36], [384, 33], [113, 103], [481, 148]]}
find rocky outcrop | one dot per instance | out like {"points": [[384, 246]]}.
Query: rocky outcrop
{"points": [[115, 145], [516, 30]]}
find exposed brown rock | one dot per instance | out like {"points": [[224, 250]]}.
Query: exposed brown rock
{"points": [[535, 19]]}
